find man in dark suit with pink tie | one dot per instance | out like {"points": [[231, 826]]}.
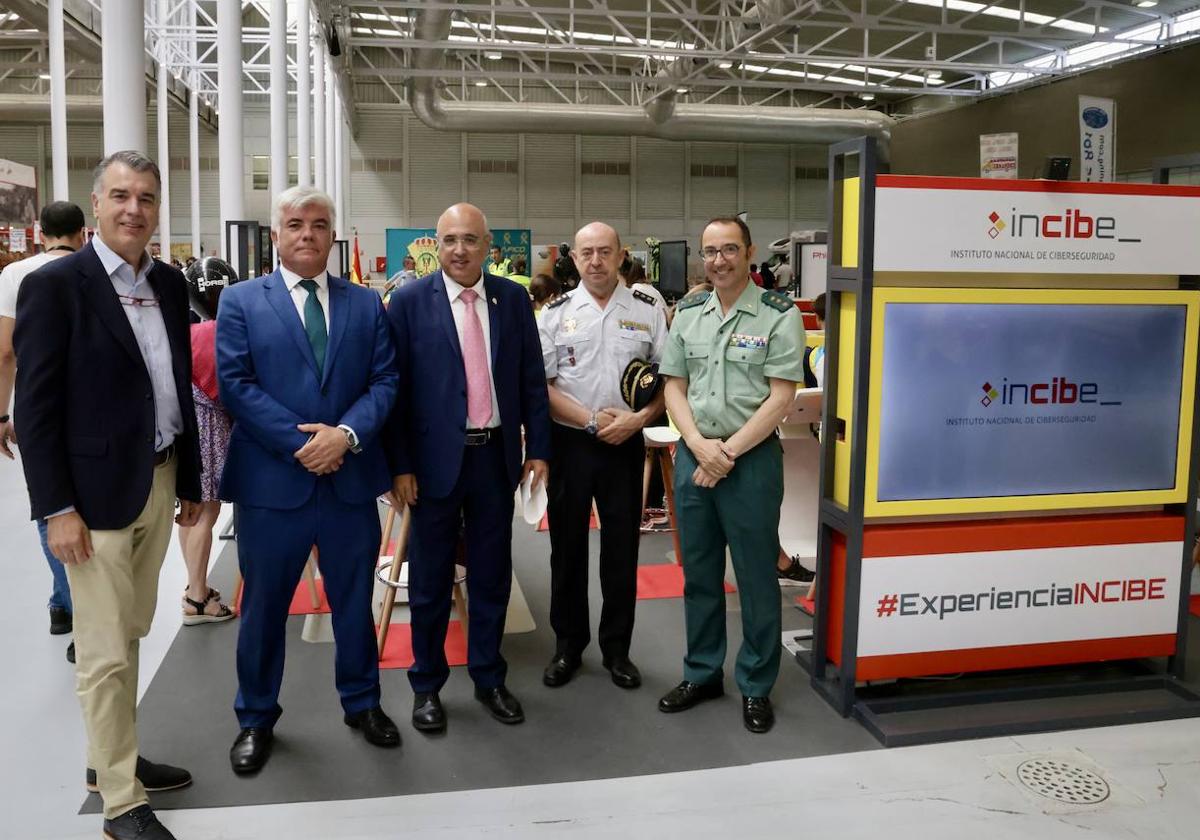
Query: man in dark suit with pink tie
{"points": [[471, 378]]}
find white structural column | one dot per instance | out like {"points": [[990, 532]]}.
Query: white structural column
{"points": [[303, 94], [123, 37], [58, 102], [194, 145], [279, 91], [231, 163], [339, 150], [319, 177], [330, 126], [164, 151]]}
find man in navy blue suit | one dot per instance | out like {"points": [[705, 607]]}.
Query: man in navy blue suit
{"points": [[306, 369], [471, 378]]}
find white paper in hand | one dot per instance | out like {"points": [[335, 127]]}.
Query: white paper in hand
{"points": [[531, 502]]}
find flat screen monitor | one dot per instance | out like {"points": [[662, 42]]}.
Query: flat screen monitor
{"points": [[1032, 397], [672, 268]]}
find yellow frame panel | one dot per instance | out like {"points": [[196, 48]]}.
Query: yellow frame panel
{"points": [[994, 504], [844, 410], [851, 191]]}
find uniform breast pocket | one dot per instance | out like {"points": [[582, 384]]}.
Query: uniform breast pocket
{"points": [[697, 355], [572, 346], [746, 355]]}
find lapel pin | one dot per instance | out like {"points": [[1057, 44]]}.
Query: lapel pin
{"points": [[494, 301]]}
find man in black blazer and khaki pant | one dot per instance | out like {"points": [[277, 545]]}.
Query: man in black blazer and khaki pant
{"points": [[108, 439]]}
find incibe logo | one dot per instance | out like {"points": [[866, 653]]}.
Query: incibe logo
{"points": [[1072, 224], [1058, 391]]}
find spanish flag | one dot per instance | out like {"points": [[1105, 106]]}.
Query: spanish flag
{"points": [[355, 265]]}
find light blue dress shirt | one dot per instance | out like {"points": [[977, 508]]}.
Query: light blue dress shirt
{"points": [[150, 330]]}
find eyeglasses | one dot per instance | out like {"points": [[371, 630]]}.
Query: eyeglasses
{"points": [[727, 251], [470, 241]]}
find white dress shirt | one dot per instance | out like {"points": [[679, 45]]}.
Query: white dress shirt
{"points": [[458, 308], [150, 330], [300, 294]]}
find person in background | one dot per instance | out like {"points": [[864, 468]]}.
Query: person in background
{"points": [[206, 280], [733, 359], [542, 290], [519, 272], [755, 275], [565, 271], [109, 446], [500, 266], [633, 275], [768, 276], [62, 233], [783, 274]]}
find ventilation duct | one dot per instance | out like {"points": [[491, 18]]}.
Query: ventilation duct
{"points": [[667, 121]]}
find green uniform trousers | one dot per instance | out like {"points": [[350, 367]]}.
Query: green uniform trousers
{"points": [[741, 512]]}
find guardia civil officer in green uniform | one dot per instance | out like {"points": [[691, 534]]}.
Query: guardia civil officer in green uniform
{"points": [[733, 358]]}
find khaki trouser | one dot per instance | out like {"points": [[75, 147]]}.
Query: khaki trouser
{"points": [[115, 593]]}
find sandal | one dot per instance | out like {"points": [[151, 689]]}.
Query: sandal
{"points": [[196, 612]]}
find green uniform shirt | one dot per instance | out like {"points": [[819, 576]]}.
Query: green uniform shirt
{"points": [[728, 361]]}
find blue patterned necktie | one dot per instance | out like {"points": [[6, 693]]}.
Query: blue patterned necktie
{"points": [[314, 323]]}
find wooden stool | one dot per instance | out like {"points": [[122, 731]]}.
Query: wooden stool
{"points": [[392, 581], [660, 442], [310, 573]]}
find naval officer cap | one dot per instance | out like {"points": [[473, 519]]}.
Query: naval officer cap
{"points": [[640, 383]]}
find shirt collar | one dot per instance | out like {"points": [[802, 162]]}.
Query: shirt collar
{"points": [[621, 297], [291, 279], [112, 261], [454, 288], [747, 301]]}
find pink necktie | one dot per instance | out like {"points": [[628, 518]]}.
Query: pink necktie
{"points": [[475, 362]]}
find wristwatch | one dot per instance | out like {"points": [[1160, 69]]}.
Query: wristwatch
{"points": [[592, 426], [351, 439]]}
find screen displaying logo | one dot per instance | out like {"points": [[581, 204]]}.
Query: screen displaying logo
{"points": [[981, 400]]}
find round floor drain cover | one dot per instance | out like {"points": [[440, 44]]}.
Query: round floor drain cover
{"points": [[1063, 781]]}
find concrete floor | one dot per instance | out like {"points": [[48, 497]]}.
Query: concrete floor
{"points": [[949, 790]]}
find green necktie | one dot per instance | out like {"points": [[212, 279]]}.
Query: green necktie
{"points": [[314, 323]]}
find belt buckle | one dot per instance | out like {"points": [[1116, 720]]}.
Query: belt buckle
{"points": [[477, 437]]}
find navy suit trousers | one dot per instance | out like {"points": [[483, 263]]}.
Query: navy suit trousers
{"points": [[273, 547], [480, 508]]}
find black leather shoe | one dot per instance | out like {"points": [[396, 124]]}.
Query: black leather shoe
{"points": [[138, 824], [500, 702], [376, 727], [60, 621], [251, 749], [71, 653], [757, 713], [687, 694], [624, 673], [560, 670], [428, 714], [154, 777]]}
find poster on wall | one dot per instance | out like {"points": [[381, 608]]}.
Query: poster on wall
{"points": [[421, 245], [1097, 139], [16, 241], [18, 193], [998, 155]]}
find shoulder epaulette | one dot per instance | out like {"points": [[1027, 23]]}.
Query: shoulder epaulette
{"points": [[558, 301], [688, 301], [777, 301], [644, 298]]}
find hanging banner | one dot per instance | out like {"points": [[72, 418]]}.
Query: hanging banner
{"points": [[18, 193], [1097, 139], [998, 155], [421, 245]]}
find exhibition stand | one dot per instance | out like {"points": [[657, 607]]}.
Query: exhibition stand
{"points": [[1008, 464]]}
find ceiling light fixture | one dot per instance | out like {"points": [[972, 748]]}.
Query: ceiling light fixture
{"points": [[481, 83], [493, 56], [933, 74], [44, 76], [1147, 4], [681, 90], [867, 97], [724, 65]]}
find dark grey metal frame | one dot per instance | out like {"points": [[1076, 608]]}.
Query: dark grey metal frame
{"points": [[837, 683]]}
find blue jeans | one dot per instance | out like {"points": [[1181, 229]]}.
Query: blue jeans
{"points": [[60, 594]]}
